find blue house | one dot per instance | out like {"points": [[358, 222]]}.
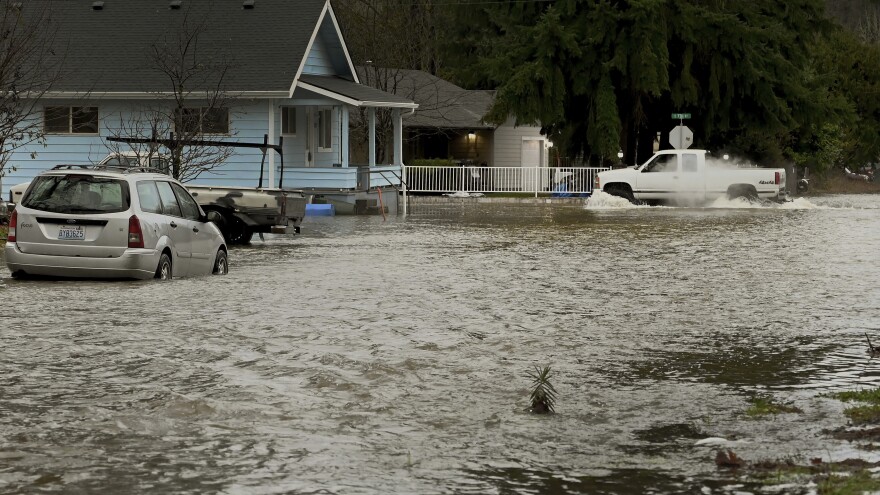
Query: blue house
{"points": [[288, 75]]}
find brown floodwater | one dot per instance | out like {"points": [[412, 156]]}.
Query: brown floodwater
{"points": [[371, 356]]}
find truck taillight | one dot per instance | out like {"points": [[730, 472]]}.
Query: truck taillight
{"points": [[13, 221], [596, 184], [135, 234], [778, 178]]}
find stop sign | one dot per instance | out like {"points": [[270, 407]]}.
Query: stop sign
{"points": [[681, 137]]}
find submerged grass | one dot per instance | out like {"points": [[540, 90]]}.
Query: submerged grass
{"points": [[851, 476], [4, 229], [872, 396], [866, 413], [767, 406], [857, 482]]}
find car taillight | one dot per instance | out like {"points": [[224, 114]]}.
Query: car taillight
{"points": [[135, 235], [778, 178], [596, 185], [13, 221]]}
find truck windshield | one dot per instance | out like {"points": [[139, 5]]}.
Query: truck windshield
{"points": [[77, 194]]}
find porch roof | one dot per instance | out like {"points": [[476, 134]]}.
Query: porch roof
{"points": [[352, 93]]}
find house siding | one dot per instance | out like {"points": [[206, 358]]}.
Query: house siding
{"points": [[507, 144], [326, 57], [248, 123]]}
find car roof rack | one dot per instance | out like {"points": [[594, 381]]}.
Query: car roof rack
{"points": [[110, 168]]}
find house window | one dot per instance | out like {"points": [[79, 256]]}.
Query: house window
{"points": [[204, 120], [325, 130], [288, 121], [70, 120]]}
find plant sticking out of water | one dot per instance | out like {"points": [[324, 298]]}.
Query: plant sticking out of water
{"points": [[543, 396], [872, 351], [868, 412], [765, 406]]}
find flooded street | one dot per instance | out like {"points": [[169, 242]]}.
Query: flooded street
{"points": [[365, 356]]}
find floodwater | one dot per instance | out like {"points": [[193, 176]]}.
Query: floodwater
{"points": [[371, 356]]}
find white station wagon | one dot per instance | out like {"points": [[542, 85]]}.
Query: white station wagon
{"points": [[108, 222]]}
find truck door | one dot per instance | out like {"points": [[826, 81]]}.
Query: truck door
{"points": [[691, 181], [658, 179]]}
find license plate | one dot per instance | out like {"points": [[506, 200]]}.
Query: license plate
{"points": [[72, 232]]}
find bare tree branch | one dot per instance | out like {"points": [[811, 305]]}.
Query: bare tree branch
{"points": [[29, 67], [198, 103]]}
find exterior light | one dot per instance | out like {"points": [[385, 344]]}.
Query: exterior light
{"points": [[472, 136], [549, 144], [620, 155], [726, 157]]}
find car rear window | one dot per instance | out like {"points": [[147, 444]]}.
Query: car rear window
{"points": [[78, 193]]}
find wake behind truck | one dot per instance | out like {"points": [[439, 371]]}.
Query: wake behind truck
{"points": [[685, 176], [243, 211]]}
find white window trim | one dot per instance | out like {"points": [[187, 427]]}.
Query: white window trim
{"points": [[321, 149], [295, 120], [70, 121]]}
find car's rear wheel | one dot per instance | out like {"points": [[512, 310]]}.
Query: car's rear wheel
{"points": [[221, 263], [163, 271]]}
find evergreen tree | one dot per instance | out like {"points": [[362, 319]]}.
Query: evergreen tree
{"points": [[606, 74]]}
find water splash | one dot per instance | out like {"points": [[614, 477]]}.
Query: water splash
{"points": [[600, 200], [742, 203]]}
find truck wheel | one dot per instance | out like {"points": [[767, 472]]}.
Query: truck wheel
{"points": [[237, 232], [621, 192], [746, 192]]}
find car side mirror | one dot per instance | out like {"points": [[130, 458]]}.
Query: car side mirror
{"points": [[214, 217]]}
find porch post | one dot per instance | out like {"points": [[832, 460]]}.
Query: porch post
{"points": [[271, 141], [371, 113], [343, 138], [398, 136]]}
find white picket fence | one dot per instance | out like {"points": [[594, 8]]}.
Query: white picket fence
{"points": [[573, 181]]}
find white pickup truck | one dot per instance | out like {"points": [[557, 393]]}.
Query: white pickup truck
{"points": [[243, 211], [686, 177]]}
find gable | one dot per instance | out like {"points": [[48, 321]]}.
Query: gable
{"points": [[327, 56]]}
